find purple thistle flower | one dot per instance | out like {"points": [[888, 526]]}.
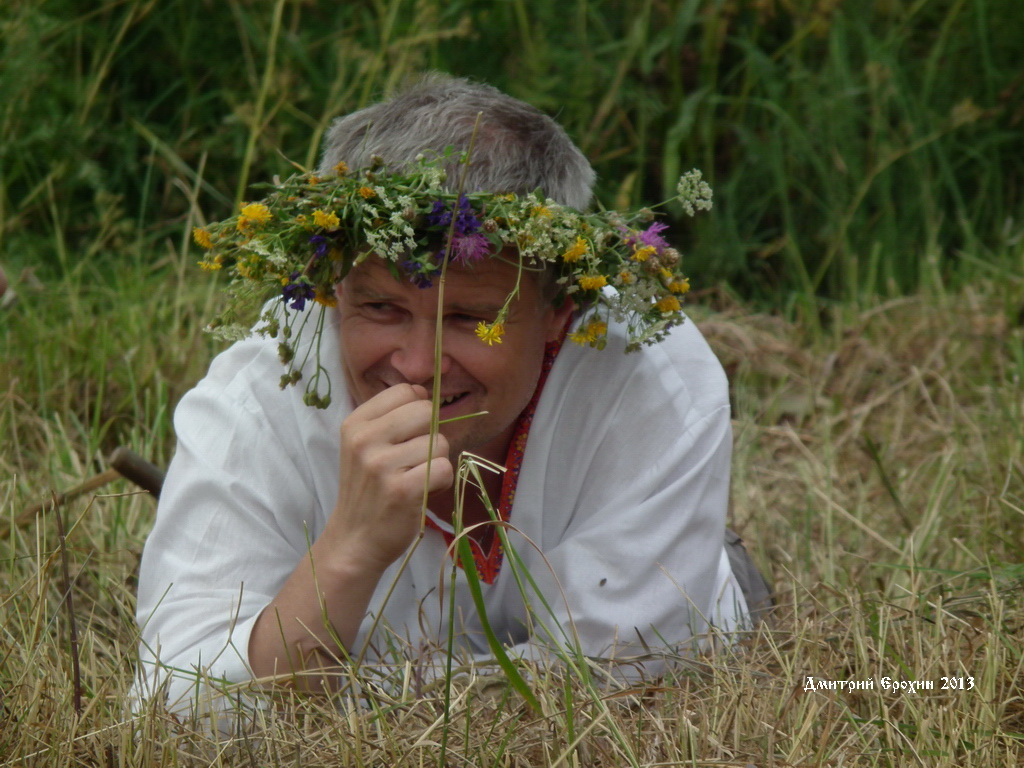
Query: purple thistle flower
{"points": [[298, 291], [469, 248], [651, 236]]}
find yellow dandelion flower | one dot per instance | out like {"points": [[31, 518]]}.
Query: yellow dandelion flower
{"points": [[341, 168], [326, 219], [243, 223], [367, 193], [668, 304], [327, 298], [575, 251], [491, 333], [679, 286], [666, 274], [313, 179], [257, 213], [592, 282], [540, 212], [202, 238], [643, 254]]}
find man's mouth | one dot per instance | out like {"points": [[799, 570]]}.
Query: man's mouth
{"points": [[451, 399]]}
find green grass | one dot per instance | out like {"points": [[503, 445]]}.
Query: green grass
{"points": [[860, 278], [848, 143]]}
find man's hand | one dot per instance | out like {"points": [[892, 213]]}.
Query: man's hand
{"points": [[385, 453], [384, 459]]}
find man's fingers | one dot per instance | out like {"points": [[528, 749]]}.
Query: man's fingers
{"points": [[391, 398], [442, 475]]}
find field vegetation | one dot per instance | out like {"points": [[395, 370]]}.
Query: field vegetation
{"points": [[861, 277]]}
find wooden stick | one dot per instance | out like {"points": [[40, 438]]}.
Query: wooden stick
{"points": [[60, 499], [141, 472]]}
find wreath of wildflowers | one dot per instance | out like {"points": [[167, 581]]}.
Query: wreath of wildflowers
{"points": [[302, 239]]}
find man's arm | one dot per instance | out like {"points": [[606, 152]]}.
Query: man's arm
{"points": [[384, 466]]}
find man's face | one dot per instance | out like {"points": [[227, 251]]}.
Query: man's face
{"points": [[387, 338]]}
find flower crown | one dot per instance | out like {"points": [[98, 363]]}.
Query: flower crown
{"points": [[309, 231]]}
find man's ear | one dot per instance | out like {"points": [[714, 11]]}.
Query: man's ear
{"points": [[559, 317]]}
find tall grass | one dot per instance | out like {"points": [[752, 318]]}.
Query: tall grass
{"points": [[867, 169], [849, 142]]}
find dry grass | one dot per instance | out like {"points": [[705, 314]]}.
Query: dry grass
{"points": [[878, 476]]}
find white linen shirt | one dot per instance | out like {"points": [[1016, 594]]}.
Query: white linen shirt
{"points": [[619, 515]]}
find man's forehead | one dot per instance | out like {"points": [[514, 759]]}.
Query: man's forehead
{"points": [[489, 280]]}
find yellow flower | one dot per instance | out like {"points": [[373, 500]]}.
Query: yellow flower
{"points": [[575, 251], [643, 254], [257, 213], [367, 193], [679, 286], [490, 333], [325, 219], [628, 278], [592, 282], [666, 274], [668, 304], [202, 237], [327, 298], [243, 223], [212, 266], [341, 168], [541, 211], [579, 337], [313, 179], [590, 334]]}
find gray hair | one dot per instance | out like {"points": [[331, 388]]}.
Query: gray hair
{"points": [[517, 148]]}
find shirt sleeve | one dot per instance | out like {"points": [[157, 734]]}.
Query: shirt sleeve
{"points": [[236, 513]]}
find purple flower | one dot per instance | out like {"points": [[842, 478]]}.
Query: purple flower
{"points": [[439, 216], [466, 221], [651, 236], [417, 275], [298, 291], [321, 245], [470, 248]]}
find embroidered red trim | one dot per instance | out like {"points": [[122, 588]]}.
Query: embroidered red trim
{"points": [[489, 564]]}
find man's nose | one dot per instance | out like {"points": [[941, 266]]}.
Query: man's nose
{"points": [[413, 356]]}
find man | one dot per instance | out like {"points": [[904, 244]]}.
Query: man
{"points": [[288, 538]]}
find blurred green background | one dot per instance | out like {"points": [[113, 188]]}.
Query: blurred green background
{"points": [[856, 147]]}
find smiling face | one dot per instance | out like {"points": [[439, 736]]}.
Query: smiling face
{"points": [[387, 337]]}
